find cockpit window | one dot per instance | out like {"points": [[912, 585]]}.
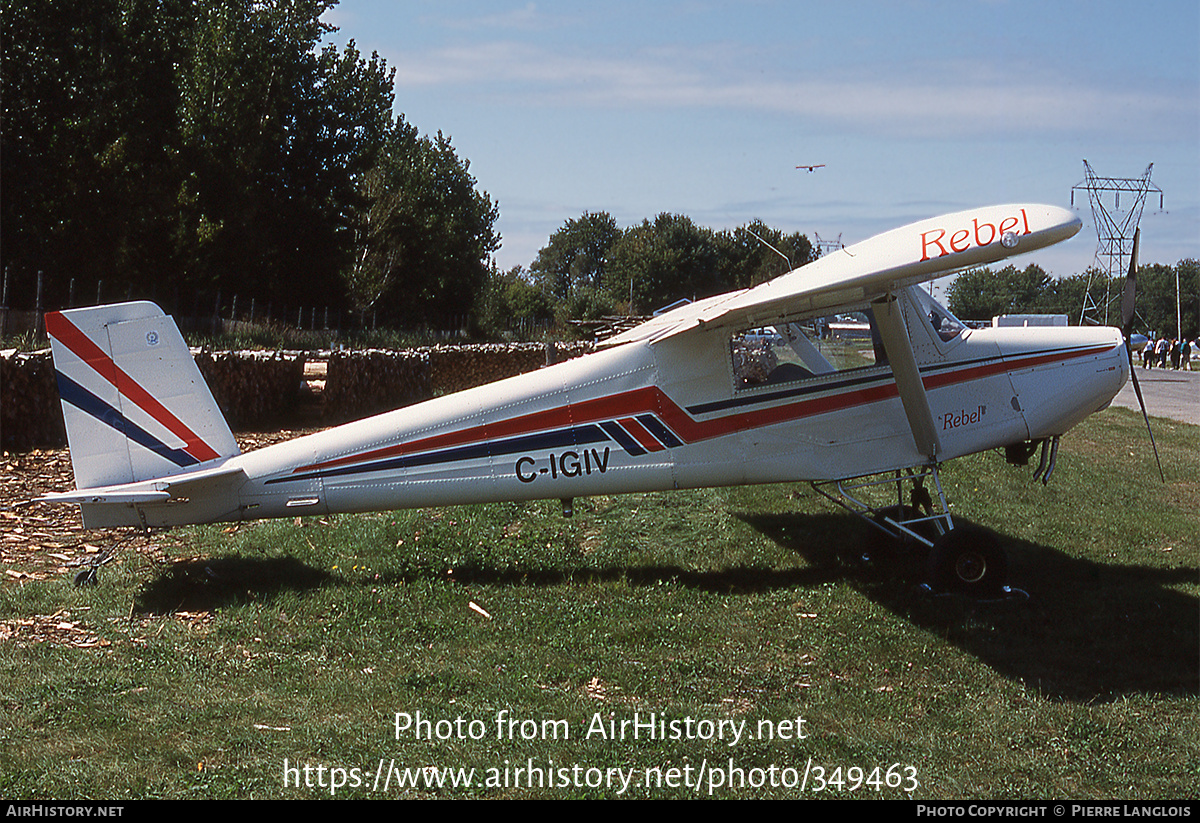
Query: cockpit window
{"points": [[818, 346], [798, 351]]}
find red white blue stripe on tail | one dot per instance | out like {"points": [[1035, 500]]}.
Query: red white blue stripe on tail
{"points": [[134, 402]]}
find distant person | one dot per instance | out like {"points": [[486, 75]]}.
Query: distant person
{"points": [[1147, 353], [1160, 351], [1174, 353], [1185, 352]]}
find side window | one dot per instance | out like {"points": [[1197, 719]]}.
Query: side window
{"points": [[798, 351]]}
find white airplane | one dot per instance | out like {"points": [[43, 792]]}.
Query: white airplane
{"points": [[685, 400]]}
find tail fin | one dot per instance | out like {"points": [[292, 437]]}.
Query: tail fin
{"points": [[135, 405]]}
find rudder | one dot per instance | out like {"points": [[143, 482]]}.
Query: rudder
{"points": [[134, 403]]}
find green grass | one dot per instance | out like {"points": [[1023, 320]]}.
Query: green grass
{"points": [[747, 604]]}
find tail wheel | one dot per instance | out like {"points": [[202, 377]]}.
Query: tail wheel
{"points": [[969, 561]]}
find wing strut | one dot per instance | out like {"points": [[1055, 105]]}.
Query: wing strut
{"points": [[890, 321]]}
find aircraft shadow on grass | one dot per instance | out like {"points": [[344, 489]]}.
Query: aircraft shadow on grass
{"points": [[209, 584], [1071, 628]]}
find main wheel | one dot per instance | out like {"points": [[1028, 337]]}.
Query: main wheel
{"points": [[969, 561]]}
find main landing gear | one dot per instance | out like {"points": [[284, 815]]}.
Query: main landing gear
{"points": [[965, 560]]}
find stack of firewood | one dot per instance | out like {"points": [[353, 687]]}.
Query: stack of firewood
{"points": [[30, 415], [454, 368], [362, 383], [252, 388]]}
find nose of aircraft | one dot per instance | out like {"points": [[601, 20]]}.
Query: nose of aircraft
{"points": [[1125, 358], [1078, 372], [1110, 370]]}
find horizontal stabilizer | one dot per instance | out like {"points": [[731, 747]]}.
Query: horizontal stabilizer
{"points": [[119, 505]]}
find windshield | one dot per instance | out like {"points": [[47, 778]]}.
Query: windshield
{"points": [[945, 324]]}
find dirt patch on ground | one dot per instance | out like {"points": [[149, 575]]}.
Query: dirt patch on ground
{"points": [[41, 540]]}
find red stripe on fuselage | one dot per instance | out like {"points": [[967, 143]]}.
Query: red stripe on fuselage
{"points": [[70, 336], [653, 399], [988, 369], [639, 433]]}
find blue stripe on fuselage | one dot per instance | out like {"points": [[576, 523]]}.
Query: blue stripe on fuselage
{"points": [[575, 436]]}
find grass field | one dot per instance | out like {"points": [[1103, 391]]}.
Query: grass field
{"points": [[737, 636]]}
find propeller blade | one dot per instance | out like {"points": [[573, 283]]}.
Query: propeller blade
{"points": [[1128, 298], [1137, 389]]}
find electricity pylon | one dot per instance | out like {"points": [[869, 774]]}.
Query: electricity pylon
{"points": [[1114, 227]]}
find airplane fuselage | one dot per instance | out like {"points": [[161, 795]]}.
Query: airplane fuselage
{"points": [[673, 415]]}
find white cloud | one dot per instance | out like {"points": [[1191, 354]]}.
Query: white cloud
{"points": [[929, 100], [526, 18]]}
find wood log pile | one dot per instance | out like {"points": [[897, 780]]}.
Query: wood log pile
{"points": [[455, 368], [252, 388], [361, 383], [30, 415]]}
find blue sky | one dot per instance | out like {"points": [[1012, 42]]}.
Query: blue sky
{"points": [[917, 107]]}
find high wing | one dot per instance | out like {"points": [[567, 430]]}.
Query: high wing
{"points": [[874, 268], [871, 272]]}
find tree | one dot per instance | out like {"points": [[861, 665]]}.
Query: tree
{"points": [[1064, 295], [89, 114], [274, 135], [747, 260], [183, 144], [511, 300], [1188, 272], [1157, 311], [664, 261], [577, 255], [980, 294], [369, 272], [424, 232], [594, 268]]}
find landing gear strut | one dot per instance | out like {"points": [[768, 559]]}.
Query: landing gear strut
{"points": [[966, 559]]}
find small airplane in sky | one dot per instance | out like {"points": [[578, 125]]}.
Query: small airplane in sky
{"points": [[811, 169], [697, 397]]}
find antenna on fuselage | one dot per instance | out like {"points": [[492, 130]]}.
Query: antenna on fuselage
{"points": [[772, 248]]}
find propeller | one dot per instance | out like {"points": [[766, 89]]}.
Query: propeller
{"points": [[1127, 310]]}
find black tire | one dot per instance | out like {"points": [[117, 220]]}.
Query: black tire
{"points": [[968, 561]]}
